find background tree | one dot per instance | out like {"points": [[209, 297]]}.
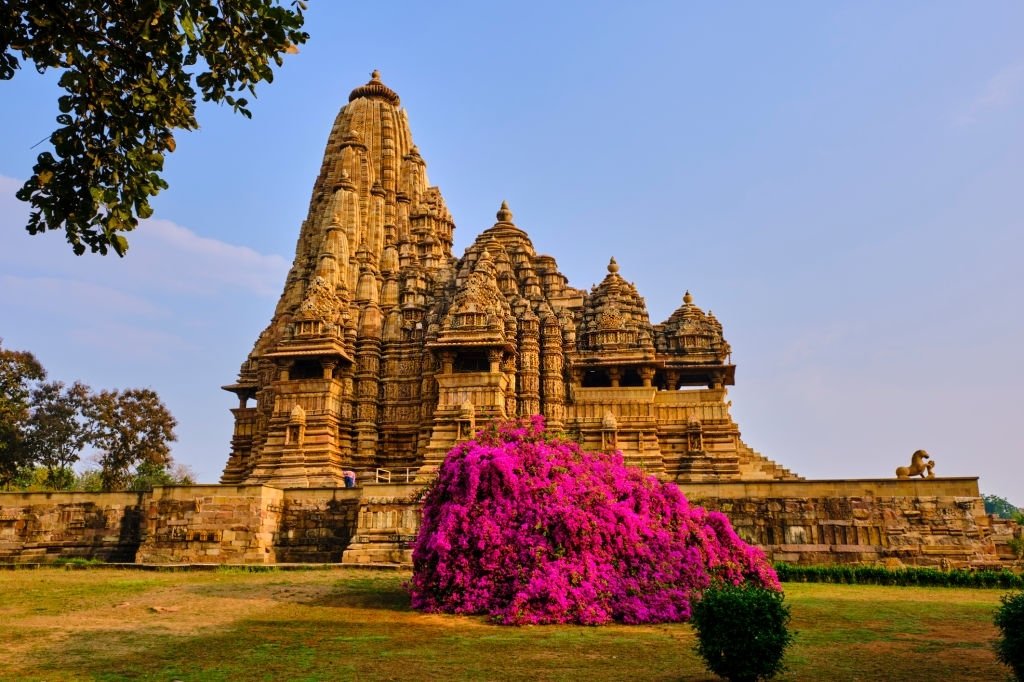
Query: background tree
{"points": [[1000, 506], [129, 428], [148, 475], [19, 371], [128, 68], [56, 430]]}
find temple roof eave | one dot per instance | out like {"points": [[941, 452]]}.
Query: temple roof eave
{"points": [[322, 348], [241, 387]]}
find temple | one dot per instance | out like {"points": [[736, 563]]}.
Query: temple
{"points": [[385, 350]]}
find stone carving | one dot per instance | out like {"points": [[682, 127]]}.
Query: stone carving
{"points": [[320, 302], [918, 466], [389, 334]]}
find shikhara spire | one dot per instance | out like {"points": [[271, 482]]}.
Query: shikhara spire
{"points": [[384, 350]]}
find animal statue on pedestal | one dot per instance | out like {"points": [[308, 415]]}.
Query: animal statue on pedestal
{"points": [[918, 466]]}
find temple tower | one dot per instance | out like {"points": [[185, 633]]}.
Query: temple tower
{"points": [[384, 350]]}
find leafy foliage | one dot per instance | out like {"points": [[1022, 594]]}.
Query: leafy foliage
{"points": [[527, 528], [130, 428], [56, 431], [1000, 506], [910, 576], [19, 372], [1010, 621], [147, 475], [742, 632], [128, 68], [44, 427]]}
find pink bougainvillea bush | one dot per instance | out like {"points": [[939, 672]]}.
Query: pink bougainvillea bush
{"points": [[528, 528]]}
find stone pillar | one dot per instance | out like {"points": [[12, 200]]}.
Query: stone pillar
{"points": [[529, 365], [508, 367], [346, 410], [367, 378], [553, 385]]}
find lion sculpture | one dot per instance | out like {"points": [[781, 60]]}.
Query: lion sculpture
{"points": [[918, 466]]}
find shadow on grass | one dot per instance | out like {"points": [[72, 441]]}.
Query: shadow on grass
{"points": [[413, 647], [387, 594]]}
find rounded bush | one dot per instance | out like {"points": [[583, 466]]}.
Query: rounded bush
{"points": [[1010, 621], [742, 632], [527, 528]]}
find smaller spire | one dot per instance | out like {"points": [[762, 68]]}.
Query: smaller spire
{"points": [[687, 298], [613, 267], [504, 214]]}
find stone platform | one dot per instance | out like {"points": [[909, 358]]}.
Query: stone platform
{"points": [[933, 522]]}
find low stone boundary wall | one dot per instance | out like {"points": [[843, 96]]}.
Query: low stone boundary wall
{"points": [[389, 518], [317, 524], [42, 527], [923, 522], [211, 524]]}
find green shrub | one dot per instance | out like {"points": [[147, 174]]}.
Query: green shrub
{"points": [[742, 632], [876, 575], [1010, 621], [1017, 547]]}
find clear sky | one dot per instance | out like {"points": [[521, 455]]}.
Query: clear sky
{"points": [[841, 183]]}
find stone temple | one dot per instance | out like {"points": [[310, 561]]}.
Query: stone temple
{"points": [[385, 349]]}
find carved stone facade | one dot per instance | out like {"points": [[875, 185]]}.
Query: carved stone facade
{"points": [[922, 522], [385, 350]]}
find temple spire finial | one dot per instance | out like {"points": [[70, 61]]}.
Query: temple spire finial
{"points": [[687, 297], [375, 88], [613, 267], [504, 214]]}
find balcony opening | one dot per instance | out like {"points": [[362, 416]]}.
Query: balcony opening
{"points": [[596, 378], [472, 361], [631, 377], [306, 369]]}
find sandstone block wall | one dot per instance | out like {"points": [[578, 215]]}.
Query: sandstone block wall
{"points": [[389, 518], [42, 527], [936, 522], [316, 525], [211, 524]]}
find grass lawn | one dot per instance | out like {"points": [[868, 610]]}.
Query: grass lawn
{"points": [[107, 624]]}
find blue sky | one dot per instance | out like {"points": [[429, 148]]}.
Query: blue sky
{"points": [[841, 183]]}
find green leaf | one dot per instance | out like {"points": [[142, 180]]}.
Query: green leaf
{"points": [[119, 243]]}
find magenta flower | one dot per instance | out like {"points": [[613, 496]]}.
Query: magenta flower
{"points": [[527, 528]]}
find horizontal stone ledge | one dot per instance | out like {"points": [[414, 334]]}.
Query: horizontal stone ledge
{"points": [[956, 488], [828, 549]]}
